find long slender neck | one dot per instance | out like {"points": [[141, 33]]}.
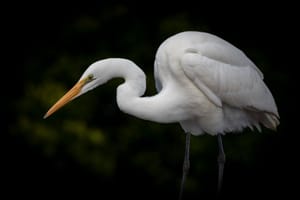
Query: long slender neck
{"points": [[129, 94]]}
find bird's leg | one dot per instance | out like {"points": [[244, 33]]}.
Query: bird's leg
{"points": [[221, 162], [186, 163]]}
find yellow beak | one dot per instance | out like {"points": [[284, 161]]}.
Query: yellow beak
{"points": [[66, 98]]}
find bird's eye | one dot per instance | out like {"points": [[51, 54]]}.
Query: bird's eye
{"points": [[89, 78]]}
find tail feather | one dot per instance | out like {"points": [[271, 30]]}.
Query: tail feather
{"points": [[270, 121], [258, 127]]}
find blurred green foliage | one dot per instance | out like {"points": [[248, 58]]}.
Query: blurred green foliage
{"points": [[110, 147]]}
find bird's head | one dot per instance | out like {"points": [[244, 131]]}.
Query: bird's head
{"points": [[93, 76]]}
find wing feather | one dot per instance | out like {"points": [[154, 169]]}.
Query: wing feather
{"points": [[239, 84]]}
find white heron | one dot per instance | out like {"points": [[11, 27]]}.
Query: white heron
{"points": [[204, 83]]}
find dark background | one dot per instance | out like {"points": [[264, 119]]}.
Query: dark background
{"points": [[89, 148]]}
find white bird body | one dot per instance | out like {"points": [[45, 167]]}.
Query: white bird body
{"points": [[223, 89], [204, 83]]}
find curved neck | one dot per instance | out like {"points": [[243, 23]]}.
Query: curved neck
{"points": [[129, 94]]}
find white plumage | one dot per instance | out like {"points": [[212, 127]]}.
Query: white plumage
{"points": [[204, 83], [224, 88]]}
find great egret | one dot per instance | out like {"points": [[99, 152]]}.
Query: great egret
{"points": [[203, 82]]}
